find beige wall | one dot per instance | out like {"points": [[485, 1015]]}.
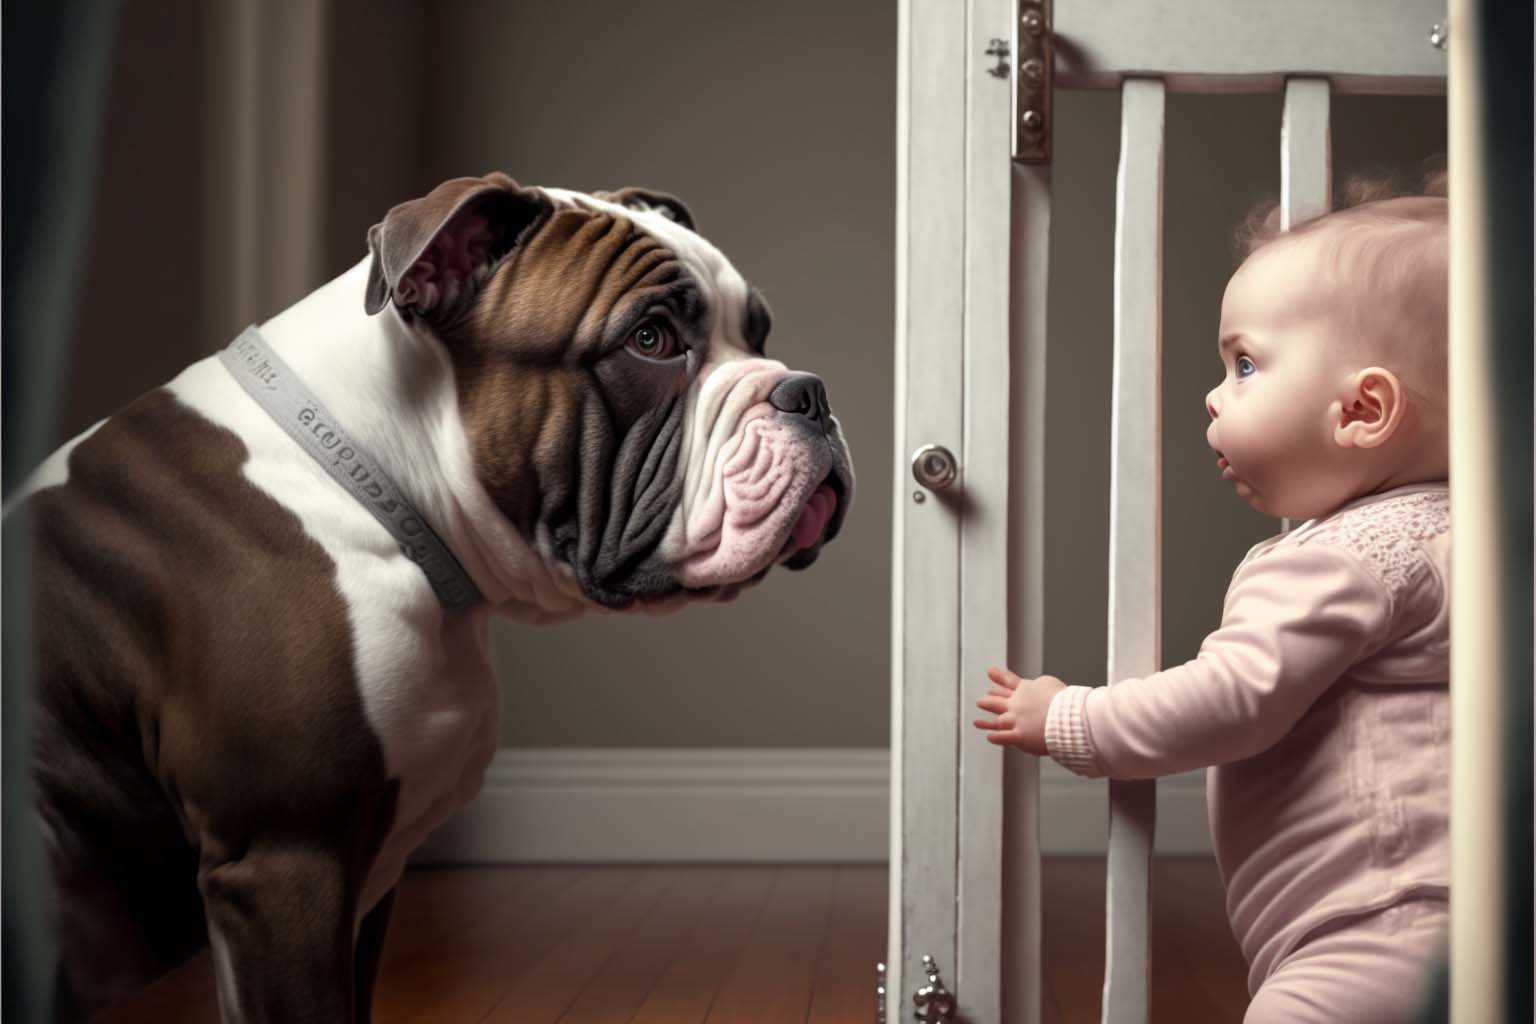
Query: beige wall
{"points": [[776, 123]]}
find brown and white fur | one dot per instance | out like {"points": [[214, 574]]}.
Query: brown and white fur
{"points": [[251, 706]]}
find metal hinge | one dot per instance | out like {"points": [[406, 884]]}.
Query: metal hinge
{"points": [[935, 1003], [1033, 73]]}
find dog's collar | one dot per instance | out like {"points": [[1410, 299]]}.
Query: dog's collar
{"points": [[278, 390]]}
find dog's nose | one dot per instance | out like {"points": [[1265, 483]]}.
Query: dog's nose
{"points": [[802, 394]]}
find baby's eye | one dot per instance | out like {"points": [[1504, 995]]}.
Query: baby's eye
{"points": [[1245, 366]]}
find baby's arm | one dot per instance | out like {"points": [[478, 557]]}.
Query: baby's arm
{"points": [[1295, 620]]}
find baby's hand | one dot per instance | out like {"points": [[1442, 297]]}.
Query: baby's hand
{"points": [[1020, 706]]}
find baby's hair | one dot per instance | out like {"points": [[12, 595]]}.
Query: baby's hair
{"points": [[1262, 225], [1389, 246]]}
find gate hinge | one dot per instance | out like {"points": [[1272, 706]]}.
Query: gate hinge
{"points": [[1033, 74], [935, 1003]]}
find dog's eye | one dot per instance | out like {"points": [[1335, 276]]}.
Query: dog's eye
{"points": [[653, 340]]}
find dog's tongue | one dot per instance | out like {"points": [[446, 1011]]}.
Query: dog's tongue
{"points": [[813, 518]]}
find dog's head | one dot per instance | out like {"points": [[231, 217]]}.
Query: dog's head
{"points": [[620, 406]]}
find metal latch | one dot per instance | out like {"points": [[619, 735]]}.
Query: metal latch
{"points": [[1033, 73]]}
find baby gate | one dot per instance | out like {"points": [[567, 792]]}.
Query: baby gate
{"points": [[975, 89]]}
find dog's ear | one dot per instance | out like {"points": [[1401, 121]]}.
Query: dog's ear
{"points": [[429, 254], [669, 206]]}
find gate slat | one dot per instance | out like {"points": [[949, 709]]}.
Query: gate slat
{"points": [[925, 641], [1022, 971], [1135, 528], [1306, 154], [984, 534], [1306, 157], [1490, 583]]}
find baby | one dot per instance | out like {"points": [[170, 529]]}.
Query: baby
{"points": [[1321, 703]]}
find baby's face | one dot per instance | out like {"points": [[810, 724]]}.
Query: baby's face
{"points": [[1273, 414]]}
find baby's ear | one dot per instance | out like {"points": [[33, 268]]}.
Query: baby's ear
{"points": [[1371, 408]]}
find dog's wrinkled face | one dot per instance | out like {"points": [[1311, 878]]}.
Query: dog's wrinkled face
{"points": [[614, 386]]}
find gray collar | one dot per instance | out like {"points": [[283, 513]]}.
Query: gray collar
{"points": [[278, 390]]}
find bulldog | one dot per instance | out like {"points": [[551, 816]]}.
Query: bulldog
{"points": [[262, 590]]}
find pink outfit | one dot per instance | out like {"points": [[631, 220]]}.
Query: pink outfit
{"points": [[1322, 706], [1371, 969]]}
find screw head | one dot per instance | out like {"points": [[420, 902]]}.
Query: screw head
{"points": [[1439, 36], [1033, 71], [1032, 120], [1032, 23], [919, 497]]}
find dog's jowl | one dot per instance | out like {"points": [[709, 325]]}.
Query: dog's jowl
{"points": [[262, 590]]}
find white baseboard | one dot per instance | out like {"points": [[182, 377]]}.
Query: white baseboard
{"points": [[726, 806]]}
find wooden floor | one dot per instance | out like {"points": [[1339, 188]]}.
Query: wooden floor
{"points": [[725, 945]]}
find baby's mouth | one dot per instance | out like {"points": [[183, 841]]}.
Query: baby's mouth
{"points": [[1222, 464]]}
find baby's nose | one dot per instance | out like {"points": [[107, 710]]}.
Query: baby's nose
{"points": [[1210, 402]]}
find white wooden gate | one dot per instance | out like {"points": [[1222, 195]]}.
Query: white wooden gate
{"points": [[973, 222]]}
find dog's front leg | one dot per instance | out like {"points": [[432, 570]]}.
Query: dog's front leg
{"points": [[280, 922], [370, 951]]}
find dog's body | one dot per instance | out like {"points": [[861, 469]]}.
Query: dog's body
{"points": [[252, 703]]}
